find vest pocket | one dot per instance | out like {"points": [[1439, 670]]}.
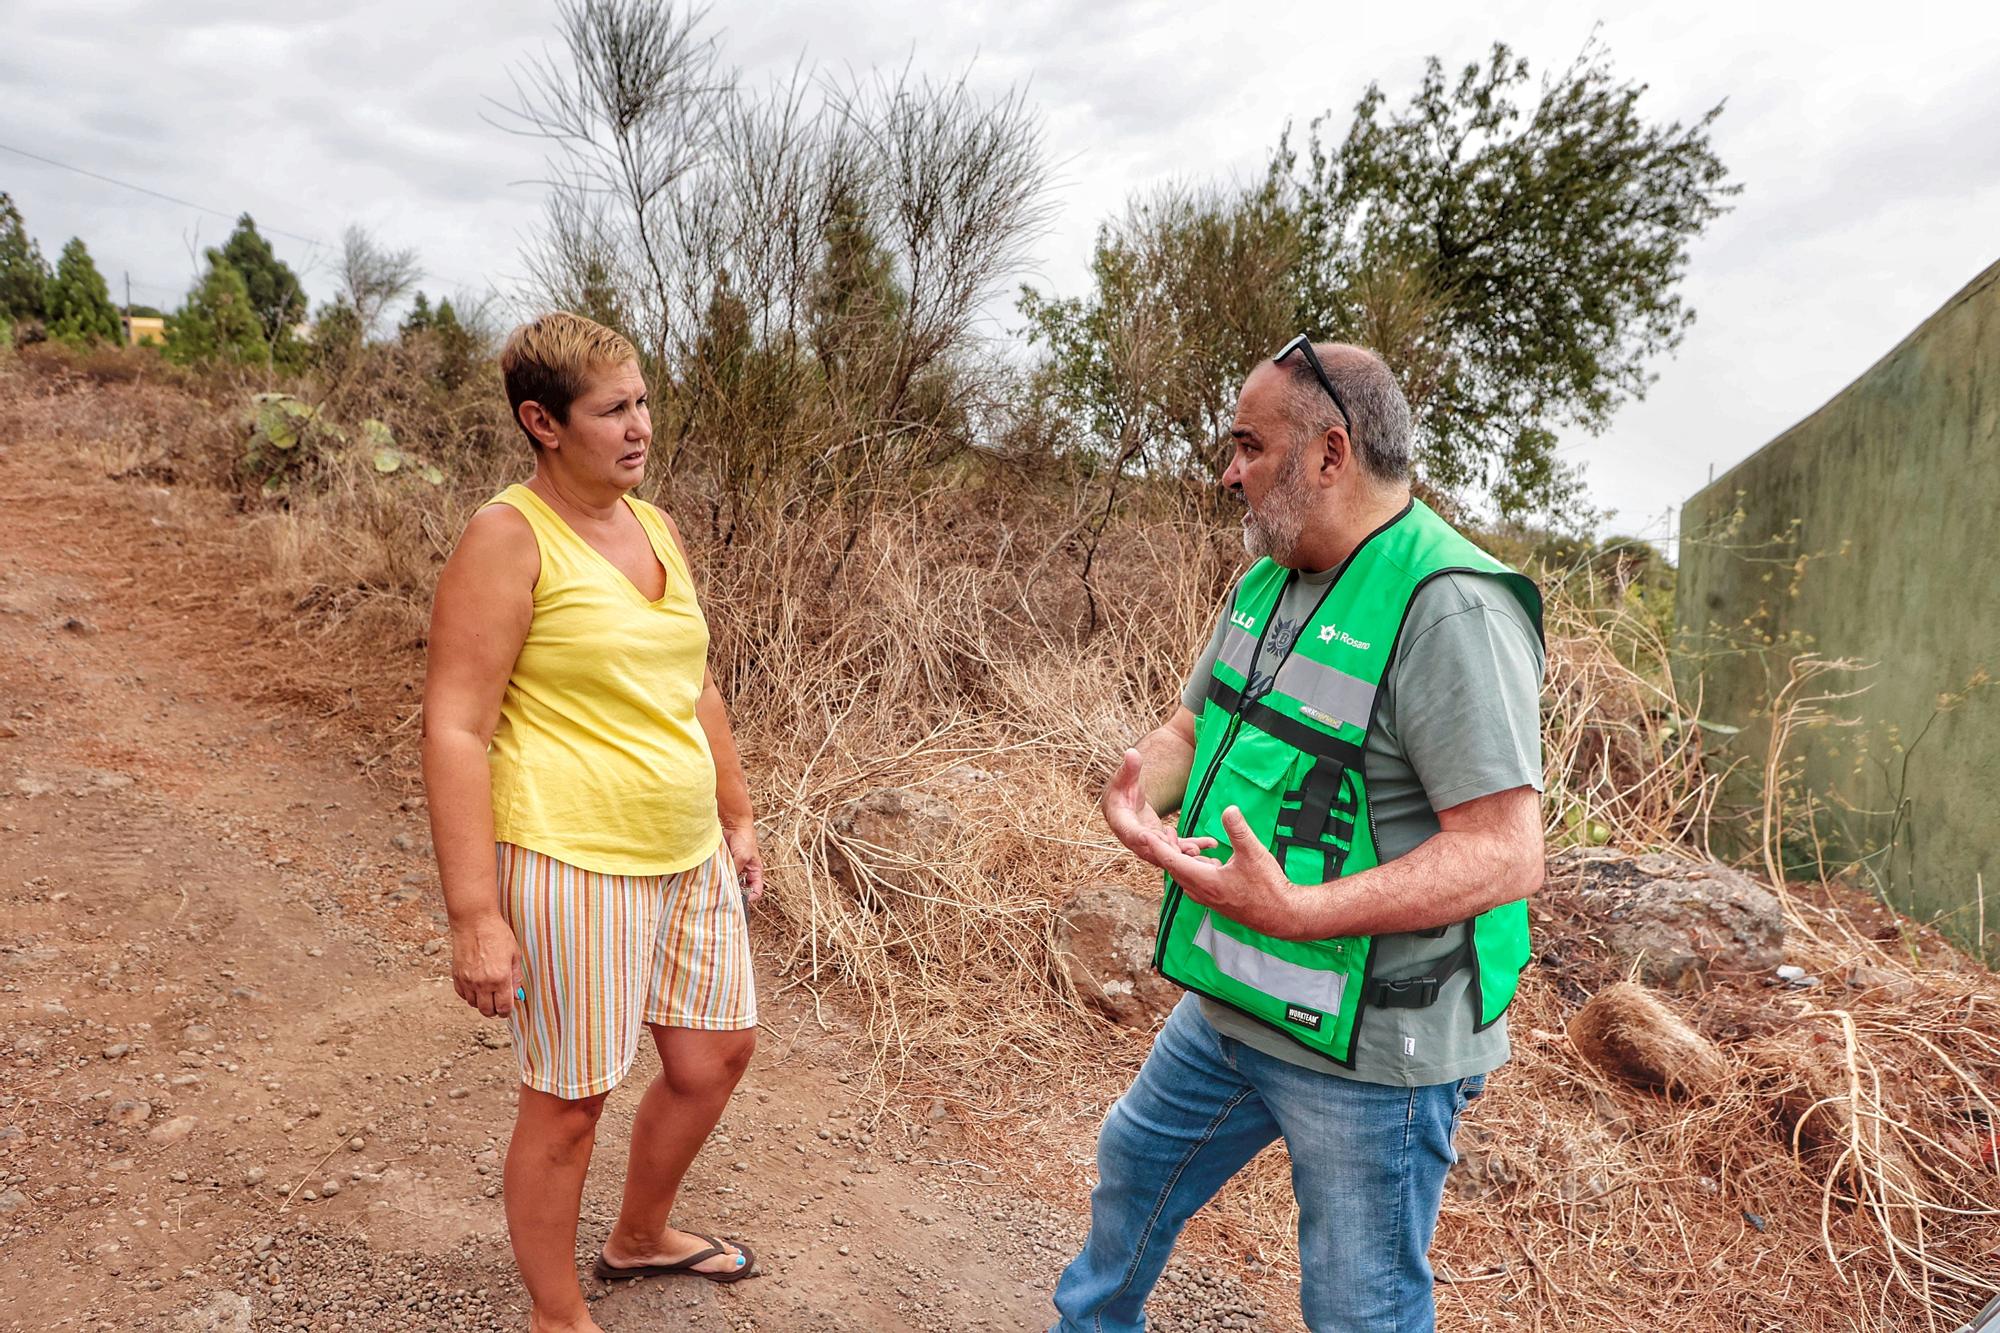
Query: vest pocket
{"points": [[1257, 767]]}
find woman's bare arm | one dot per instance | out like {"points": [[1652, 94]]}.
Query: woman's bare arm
{"points": [[732, 789], [479, 620]]}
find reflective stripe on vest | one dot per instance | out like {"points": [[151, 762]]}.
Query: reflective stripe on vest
{"points": [[1282, 736]]}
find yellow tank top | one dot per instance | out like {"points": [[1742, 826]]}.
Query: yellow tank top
{"points": [[599, 760]]}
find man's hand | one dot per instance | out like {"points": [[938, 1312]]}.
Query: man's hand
{"points": [[1249, 888], [1149, 837], [485, 964], [742, 843]]}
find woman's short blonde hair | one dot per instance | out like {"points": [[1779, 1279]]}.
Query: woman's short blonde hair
{"points": [[548, 360]]}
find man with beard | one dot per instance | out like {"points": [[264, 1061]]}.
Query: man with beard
{"points": [[1356, 763]]}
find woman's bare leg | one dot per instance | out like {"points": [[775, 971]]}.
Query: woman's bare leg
{"points": [[699, 1069], [546, 1161]]}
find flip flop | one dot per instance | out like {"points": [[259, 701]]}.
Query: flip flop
{"points": [[606, 1271]]}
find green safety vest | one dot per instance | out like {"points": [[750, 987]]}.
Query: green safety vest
{"points": [[1281, 737]]}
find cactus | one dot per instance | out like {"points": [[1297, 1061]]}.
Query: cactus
{"points": [[289, 437]]}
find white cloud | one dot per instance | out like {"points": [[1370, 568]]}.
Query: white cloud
{"points": [[1863, 140]]}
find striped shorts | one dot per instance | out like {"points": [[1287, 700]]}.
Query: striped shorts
{"points": [[602, 954]]}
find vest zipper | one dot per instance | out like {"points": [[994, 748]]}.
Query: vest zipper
{"points": [[1193, 811]]}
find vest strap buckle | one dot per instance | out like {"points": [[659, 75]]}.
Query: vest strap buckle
{"points": [[1409, 993]]}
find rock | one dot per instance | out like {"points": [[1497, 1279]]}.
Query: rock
{"points": [[254, 1176], [884, 839], [1626, 1032], [116, 1050], [131, 1111], [1681, 923], [1104, 944], [13, 1201], [198, 1033], [1887, 984], [76, 625], [33, 787], [356, 1144], [172, 1131], [328, 1188]]}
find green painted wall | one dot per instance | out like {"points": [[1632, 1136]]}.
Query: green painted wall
{"points": [[1871, 530]]}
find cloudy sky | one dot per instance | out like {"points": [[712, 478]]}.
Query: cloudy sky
{"points": [[1867, 139]]}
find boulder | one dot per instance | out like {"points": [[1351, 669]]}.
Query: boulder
{"points": [[884, 839], [1680, 923], [1104, 942]]}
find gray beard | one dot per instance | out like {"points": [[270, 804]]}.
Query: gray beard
{"points": [[1275, 527]]}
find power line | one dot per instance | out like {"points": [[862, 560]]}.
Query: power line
{"points": [[128, 185], [203, 208]]}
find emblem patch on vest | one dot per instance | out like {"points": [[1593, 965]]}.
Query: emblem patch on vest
{"points": [[1305, 1018]]}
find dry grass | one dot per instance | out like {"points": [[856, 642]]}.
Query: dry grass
{"points": [[903, 639]]}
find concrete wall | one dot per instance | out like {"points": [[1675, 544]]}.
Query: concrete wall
{"points": [[1871, 530]]}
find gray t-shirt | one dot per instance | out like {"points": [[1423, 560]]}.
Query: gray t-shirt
{"points": [[1459, 717]]}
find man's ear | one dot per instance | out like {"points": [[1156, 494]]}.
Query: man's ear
{"points": [[1336, 453]]}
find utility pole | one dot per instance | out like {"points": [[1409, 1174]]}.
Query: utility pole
{"points": [[128, 307]]}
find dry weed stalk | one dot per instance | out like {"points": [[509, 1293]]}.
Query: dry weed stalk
{"points": [[927, 632]]}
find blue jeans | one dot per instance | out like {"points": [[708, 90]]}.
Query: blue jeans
{"points": [[1368, 1168]]}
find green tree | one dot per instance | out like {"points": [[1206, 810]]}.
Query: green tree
{"points": [[1188, 289], [79, 304], [1541, 243], [24, 274], [457, 348], [275, 293], [218, 322], [1517, 263], [420, 319]]}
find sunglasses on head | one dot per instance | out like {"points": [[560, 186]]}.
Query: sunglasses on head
{"points": [[1303, 345]]}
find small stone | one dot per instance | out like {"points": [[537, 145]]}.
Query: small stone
{"points": [[457, 1094], [432, 946], [172, 1131], [491, 1191], [13, 1201], [328, 1188], [310, 1196], [131, 1111], [117, 1050], [356, 1144], [254, 1176]]}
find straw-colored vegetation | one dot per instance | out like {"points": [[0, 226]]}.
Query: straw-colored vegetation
{"points": [[1840, 1176]]}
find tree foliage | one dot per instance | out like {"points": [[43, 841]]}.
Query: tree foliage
{"points": [[218, 322], [24, 274], [275, 293], [1514, 253], [1188, 289], [79, 304], [802, 271], [1548, 236], [455, 349]]}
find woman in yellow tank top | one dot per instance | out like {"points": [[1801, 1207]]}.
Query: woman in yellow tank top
{"points": [[591, 818]]}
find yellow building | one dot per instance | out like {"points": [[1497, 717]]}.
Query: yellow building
{"points": [[145, 329]]}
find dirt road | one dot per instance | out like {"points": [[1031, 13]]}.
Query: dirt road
{"points": [[236, 1089]]}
